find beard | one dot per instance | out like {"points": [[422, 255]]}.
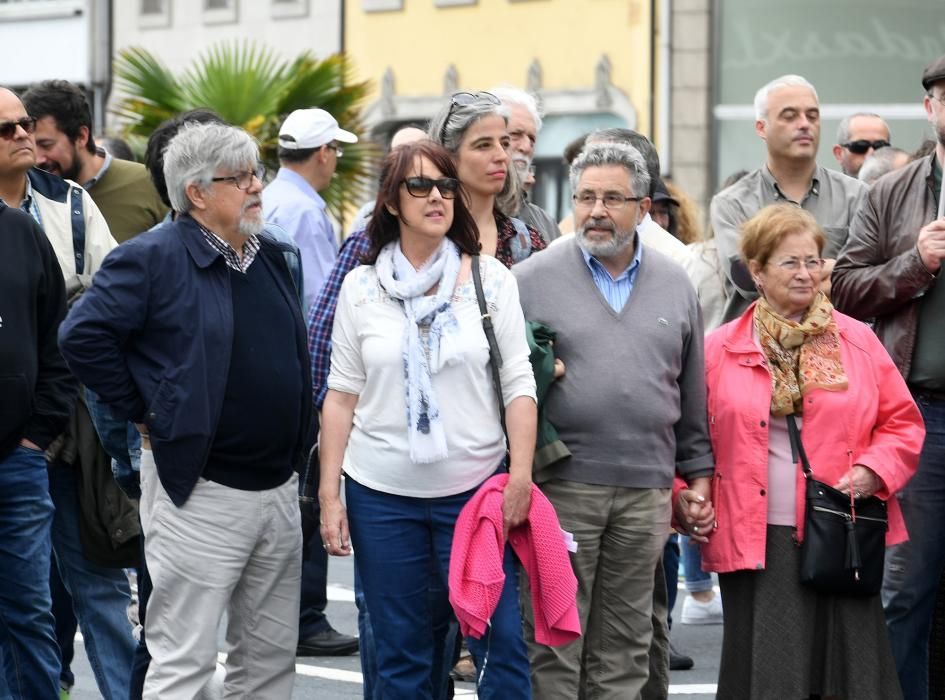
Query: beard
{"points": [[618, 243], [252, 224]]}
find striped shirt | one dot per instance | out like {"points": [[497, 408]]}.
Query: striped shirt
{"points": [[615, 291]]}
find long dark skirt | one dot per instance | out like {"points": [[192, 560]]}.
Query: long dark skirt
{"points": [[784, 641]]}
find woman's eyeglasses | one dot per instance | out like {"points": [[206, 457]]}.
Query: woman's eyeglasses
{"points": [[8, 129], [793, 264], [463, 99], [422, 186]]}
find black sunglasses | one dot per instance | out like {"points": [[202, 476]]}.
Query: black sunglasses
{"points": [[863, 145], [462, 99], [8, 129], [422, 186]]}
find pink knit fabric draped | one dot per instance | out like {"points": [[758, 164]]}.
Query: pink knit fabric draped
{"points": [[476, 576]]}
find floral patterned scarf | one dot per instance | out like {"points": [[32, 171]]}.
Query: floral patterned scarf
{"points": [[802, 356]]}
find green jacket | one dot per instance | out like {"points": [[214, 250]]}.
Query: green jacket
{"points": [[548, 448]]}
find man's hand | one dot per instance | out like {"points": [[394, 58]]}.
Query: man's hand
{"points": [[694, 509], [30, 445], [931, 245], [516, 500]]}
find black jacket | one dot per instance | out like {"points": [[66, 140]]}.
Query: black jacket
{"points": [[36, 389]]}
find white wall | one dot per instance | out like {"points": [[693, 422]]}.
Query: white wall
{"points": [[191, 29]]}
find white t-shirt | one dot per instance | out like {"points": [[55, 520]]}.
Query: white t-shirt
{"points": [[367, 360]]}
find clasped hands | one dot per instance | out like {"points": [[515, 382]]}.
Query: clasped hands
{"points": [[694, 509]]}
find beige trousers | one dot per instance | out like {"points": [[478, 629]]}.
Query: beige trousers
{"points": [[620, 533], [223, 550]]}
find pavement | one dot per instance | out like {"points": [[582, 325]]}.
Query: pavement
{"points": [[339, 678]]}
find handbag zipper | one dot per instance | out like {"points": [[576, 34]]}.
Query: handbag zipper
{"points": [[847, 515]]}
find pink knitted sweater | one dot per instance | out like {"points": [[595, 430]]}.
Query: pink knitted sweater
{"points": [[476, 576]]}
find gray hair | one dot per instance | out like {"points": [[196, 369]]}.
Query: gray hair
{"points": [[198, 152], [598, 155], [513, 96], [761, 97], [449, 126], [881, 162], [843, 131], [632, 138]]}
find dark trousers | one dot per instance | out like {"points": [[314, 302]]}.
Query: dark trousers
{"points": [[314, 598], [142, 657]]}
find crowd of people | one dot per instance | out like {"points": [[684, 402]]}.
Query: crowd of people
{"points": [[517, 426]]}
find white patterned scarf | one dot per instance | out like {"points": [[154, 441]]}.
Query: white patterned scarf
{"points": [[430, 339]]}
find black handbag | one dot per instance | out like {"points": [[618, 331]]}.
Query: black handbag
{"points": [[844, 543]]}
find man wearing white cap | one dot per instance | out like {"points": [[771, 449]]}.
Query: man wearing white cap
{"points": [[308, 156]]}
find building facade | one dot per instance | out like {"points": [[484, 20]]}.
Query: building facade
{"points": [[590, 63]]}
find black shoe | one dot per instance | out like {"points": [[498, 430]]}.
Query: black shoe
{"points": [[328, 643], [679, 662]]}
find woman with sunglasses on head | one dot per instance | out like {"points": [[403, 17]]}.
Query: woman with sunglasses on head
{"points": [[473, 127], [412, 419]]}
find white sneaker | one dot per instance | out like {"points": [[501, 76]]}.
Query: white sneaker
{"points": [[698, 613]]}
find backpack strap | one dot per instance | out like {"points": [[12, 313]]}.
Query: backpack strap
{"points": [[78, 228]]}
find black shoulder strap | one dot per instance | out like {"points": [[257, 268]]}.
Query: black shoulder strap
{"points": [[78, 229], [495, 357], [797, 447]]}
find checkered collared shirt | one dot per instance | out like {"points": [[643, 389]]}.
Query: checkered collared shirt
{"points": [[233, 261]]}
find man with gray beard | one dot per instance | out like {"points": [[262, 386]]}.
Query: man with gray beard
{"points": [[193, 331], [631, 409]]}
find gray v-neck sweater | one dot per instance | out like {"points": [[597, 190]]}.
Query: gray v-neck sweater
{"points": [[632, 404]]}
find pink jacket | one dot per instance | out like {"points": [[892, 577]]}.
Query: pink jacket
{"points": [[476, 576], [875, 422]]}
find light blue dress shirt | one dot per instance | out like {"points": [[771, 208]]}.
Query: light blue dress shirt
{"points": [[292, 203], [615, 291]]}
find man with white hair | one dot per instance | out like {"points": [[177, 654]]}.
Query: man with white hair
{"points": [[614, 302], [882, 162], [193, 331], [524, 125], [787, 119]]}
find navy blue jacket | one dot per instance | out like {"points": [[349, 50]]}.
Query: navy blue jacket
{"points": [[152, 337]]}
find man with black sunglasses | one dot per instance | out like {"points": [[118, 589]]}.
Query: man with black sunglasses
{"points": [[81, 239], [858, 136]]}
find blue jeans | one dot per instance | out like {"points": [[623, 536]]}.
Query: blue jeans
{"points": [[398, 539], [696, 579], [30, 655], [914, 568], [100, 595], [121, 441], [444, 658]]}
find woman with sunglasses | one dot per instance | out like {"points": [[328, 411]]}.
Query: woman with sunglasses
{"points": [[473, 127], [412, 419]]}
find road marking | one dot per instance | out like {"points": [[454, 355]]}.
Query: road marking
{"points": [[340, 594], [343, 676]]}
